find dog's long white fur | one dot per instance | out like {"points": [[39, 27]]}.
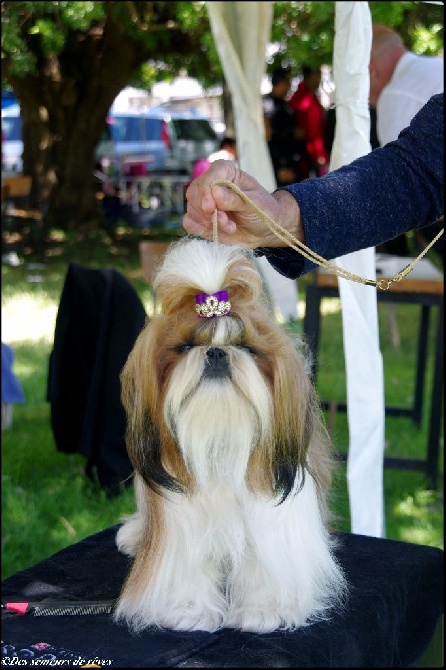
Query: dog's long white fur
{"points": [[228, 555], [237, 561]]}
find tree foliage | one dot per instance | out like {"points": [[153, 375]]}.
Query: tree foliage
{"points": [[303, 32], [67, 61]]}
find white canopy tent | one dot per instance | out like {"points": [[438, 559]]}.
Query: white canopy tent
{"points": [[241, 31], [365, 384]]}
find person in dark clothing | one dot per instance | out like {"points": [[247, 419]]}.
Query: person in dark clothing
{"points": [[280, 130], [391, 190]]}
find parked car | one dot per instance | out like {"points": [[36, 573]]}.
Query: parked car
{"points": [[191, 138], [147, 142], [12, 143], [133, 143]]}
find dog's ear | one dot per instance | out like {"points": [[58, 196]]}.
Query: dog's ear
{"points": [[298, 427], [149, 444]]}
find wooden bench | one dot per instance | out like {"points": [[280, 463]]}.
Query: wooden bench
{"points": [[15, 198], [17, 216]]}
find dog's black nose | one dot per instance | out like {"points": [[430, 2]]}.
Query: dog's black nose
{"points": [[217, 363], [216, 354]]}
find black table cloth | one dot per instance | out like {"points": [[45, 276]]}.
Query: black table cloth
{"points": [[395, 601]]}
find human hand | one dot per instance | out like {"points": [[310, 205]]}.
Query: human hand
{"points": [[237, 221]]}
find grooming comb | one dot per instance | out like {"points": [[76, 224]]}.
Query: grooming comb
{"points": [[60, 608]]}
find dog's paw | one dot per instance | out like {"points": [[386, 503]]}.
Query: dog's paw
{"points": [[263, 620], [184, 620], [253, 620], [129, 535]]}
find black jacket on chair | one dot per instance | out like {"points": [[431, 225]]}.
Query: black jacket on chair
{"points": [[99, 318]]}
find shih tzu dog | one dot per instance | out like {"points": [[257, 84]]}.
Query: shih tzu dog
{"points": [[232, 462]]}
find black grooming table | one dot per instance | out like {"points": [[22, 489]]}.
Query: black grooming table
{"points": [[394, 606]]}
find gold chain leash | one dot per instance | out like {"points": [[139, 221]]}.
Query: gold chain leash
{"points": [[300, 247]]}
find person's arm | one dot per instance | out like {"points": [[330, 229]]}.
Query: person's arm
{"points": [[387, 192]]}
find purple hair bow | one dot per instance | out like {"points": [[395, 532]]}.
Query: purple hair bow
{"points": [[215, 304]]}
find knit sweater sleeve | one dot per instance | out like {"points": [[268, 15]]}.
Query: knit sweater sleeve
{"points": [[375, 198]]}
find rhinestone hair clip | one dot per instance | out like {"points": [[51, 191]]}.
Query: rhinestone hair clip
{"points": [[216, 304]]}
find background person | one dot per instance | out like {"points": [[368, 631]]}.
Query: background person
{"points": [[227, 150], [309, 117], [401, 82], [280, 128]]}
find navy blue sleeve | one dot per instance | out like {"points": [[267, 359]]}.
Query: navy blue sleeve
{"points": [[375, 198]]}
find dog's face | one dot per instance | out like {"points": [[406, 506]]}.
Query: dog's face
{"points": [[223, 398]]}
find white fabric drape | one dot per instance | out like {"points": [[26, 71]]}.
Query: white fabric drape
{"points": [[241, 31], [364, 369]]}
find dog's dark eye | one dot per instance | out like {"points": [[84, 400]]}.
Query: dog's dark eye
{"points": [[248, 349], [183, 348]]}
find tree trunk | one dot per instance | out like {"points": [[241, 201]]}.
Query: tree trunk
{"points": [[63, 182], [63, 117]]}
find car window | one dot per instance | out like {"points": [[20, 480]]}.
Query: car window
{"points": [[193, 129], [11, 128], [152, 129], [117, 126], [134, 128]]}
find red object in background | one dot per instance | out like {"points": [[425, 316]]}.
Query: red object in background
{"points": [[200, 166], [309, 115], [165, 137], [136, 170]]}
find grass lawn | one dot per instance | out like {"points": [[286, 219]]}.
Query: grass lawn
{"points": [[49, 503]]}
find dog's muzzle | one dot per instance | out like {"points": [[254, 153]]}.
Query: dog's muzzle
{"points": [[217, 364]]}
